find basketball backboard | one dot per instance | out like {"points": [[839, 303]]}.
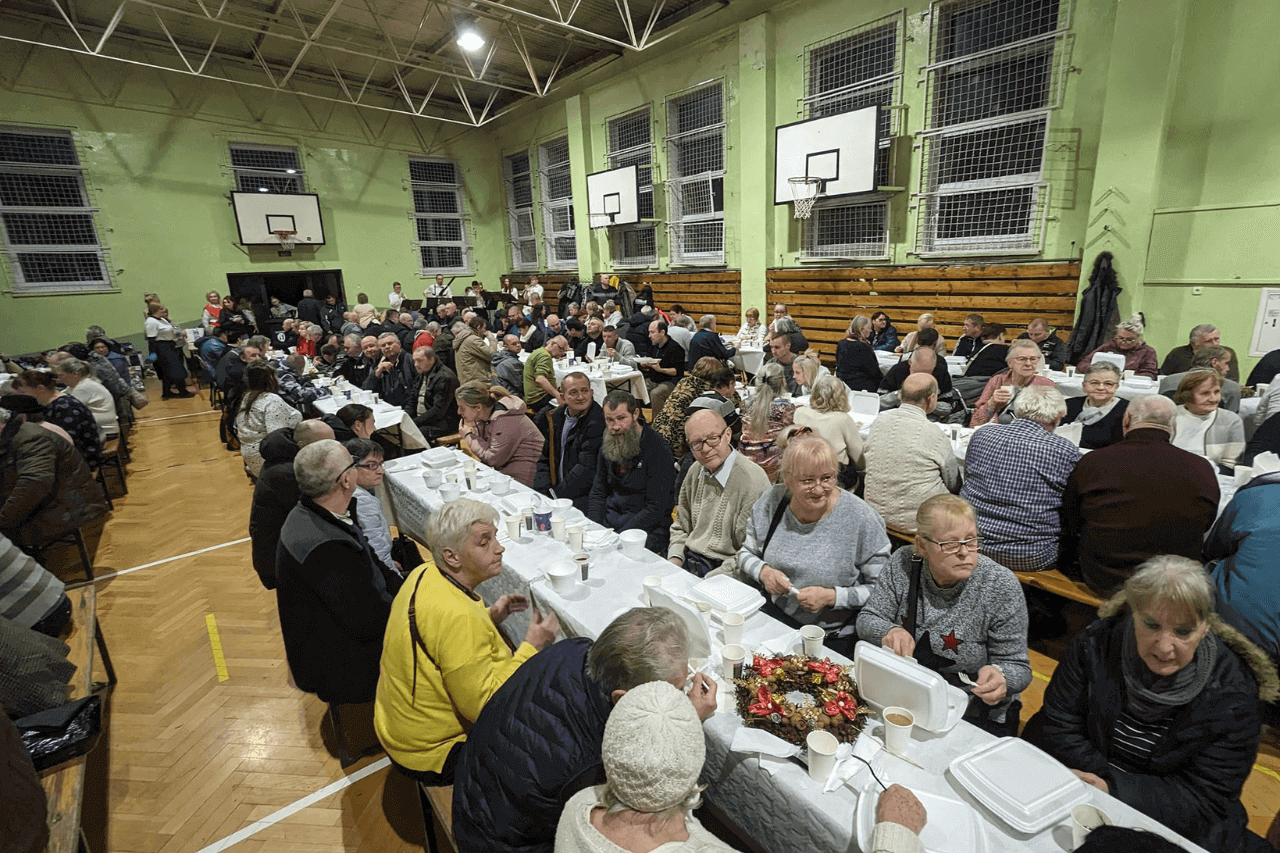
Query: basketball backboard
{"points": [[260, 215], [839, 149], [613, 197]]}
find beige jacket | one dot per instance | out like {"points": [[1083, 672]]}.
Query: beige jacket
{"points": [[908, 460], [473, 356]]}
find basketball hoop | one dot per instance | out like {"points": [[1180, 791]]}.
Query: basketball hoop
{"points": [[805, 192], [286, 239]]}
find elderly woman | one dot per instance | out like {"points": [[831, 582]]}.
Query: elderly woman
{"points": [[1024, 360], [828, 415], [494, 430], [909, 343], [1201, 425], [883, 334], [752, 332], [366, 459], [954, 611], [789, 327], [653, 751], [261, 411], [1139, 356], [814, 548], [64, 411], [856, 364], [166, 341], [769, 412], [1157, 704], [1098, 416], [442, 656], [707, 374], [81, 383], [807, 369]]}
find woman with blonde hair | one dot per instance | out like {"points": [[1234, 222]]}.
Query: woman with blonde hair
{"points": [[1202, 426], [856, 363], [494, 429], [1139, 356], [924, 321], [769, 412], [828, 415], [807, 369]]}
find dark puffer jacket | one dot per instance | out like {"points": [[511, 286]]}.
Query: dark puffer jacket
{"points": [[581, 453], [274, 495], [46, 489], [1198, 768], [535, 745]]}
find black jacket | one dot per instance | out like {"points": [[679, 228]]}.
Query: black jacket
{"points": [[229, 373], [1265, 370], [274, 496], [580, 349], [334, 600], [580, 457], [898, 374], [707, 343], [1199, 766], [311, 310], [988, 360], [354, 370], [1104, 433], [638, 333], [638, 495], [966, 346], [1053, 348], [441, 414], [856, 365], [393, 385], [331, 317]]}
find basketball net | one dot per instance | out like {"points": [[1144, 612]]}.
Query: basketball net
{"points": [[286, 239], [804, 192]]}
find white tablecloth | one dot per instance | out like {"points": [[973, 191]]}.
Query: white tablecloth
{"points": [[631, 380], [749, 359], [955, 363], [385, 417], [783, 811]]}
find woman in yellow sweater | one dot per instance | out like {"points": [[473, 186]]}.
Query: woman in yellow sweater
{"points": [[442, 656]]}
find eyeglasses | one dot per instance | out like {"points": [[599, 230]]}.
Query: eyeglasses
{"points": [[1101, 383], [709, 443], [371, 465], [1126, 340], [953, 547], [825, 481]]}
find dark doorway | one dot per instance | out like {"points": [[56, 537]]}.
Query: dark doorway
{"points": [[259, 287]]}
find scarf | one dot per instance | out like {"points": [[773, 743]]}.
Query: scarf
{"points": [[1149, 696], [1090, 415]]}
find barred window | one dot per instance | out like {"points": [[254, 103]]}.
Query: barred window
{"points": [[439, 217], [853, 70], [50, 234], [695, 164], [557, 204], [267, 168], [518, 176], [631, 144], [995, 78]]}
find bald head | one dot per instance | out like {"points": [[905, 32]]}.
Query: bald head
{"points": [[704, 420], [310, 431], [920, 390], [1151, 411], [923, 360]]}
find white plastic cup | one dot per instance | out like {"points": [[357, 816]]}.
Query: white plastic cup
{"points": [[1071, 370], [528, 519], [1086, 818], [732, 624], [813, 637], [513, 527], [563, 577], [450, 492], [633, 543], [557, 527], [582, 560], [732, 656], [650, 582], [897, 729], [575, 533], [1128, 374], [499, 485], [433, 478], [822, 755], [1244, 473]]}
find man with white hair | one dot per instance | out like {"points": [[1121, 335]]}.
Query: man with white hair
{"points": [[1136, 499], [334, 597], [1015, 475], [706, 342], [1178, 359], [276, 492], [394, 374]]}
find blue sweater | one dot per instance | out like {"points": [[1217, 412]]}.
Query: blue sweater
{"points": [[1245, 540]]}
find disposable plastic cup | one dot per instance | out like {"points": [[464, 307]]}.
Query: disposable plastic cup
{"points": [[822, 755], [813, 637], [732, 623]]}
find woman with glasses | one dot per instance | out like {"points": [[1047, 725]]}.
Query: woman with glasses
{"points": [[1098, 415], [366, 461], [995, 403], [828, 415], [955, 611], [1139, 356], [814, 548]]}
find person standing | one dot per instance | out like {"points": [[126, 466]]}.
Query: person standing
{"points": [[473, 351], [165, 340], [540, 391]]}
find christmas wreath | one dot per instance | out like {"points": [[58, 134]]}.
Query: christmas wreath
{"points": [[792, 696]]}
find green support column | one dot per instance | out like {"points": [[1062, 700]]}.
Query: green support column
{"points": [[580, 165], [752, 155]]}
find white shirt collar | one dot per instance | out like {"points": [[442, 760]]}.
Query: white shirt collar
{"points": [[722, 476]]}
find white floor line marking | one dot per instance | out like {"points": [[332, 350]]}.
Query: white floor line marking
{"points": [[293, 808], [157, 563], [175, 417]]}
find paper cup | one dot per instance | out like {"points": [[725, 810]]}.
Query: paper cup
{"points": [[822, 755], [1244, 473], [499, 485], [450, 492], [813, 637], [575, 532], [732, 623], [731, 657], [542, 519], [583, 561], [513, 526], [528, 520], [433, 478], [1085, 819], [451, 477], [897, 729], [557, 527], [1128, 374], [563, 577], [649, 583], [1071, 370]]}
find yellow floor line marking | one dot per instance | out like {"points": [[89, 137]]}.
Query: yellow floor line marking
{"points": [[219, 662], [1041, 676], [1266, 771]]}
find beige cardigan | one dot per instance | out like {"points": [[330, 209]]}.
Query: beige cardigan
{"points": [[908, 460]]}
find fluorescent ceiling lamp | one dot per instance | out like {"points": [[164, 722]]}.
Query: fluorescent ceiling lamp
{"points": [[470, 40]]}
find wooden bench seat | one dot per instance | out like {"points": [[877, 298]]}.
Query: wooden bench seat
{"points": [[437, 801], [1054, 581]]}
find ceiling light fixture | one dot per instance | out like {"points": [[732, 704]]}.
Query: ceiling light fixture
{"points": [[470, 40]]}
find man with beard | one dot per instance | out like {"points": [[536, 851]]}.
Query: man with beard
{"points": [[634, 488]]}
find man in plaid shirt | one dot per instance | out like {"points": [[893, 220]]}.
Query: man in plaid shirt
{"points": [[1014, 477]]}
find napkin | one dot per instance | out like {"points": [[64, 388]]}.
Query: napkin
{"points": [[1266, 463], [847, 767], [779, 646], [774, 752]]}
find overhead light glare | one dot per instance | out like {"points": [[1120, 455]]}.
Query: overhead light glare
{"points": [[263, 189], [291, 171], [470, 40]]}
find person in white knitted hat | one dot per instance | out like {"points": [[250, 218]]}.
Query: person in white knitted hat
{"points": [[653, 752]]}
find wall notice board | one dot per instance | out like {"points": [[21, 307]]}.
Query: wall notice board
{"points": [[1266, 326]]}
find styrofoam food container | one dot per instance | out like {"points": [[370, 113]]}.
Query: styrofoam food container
{"points": [[886, 679], [1020, 783], [563, 576], [633, 542], [727, 594], [953, 825], [437, 457]]}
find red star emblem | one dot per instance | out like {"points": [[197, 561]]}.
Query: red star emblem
{"points": [[950, 642]]}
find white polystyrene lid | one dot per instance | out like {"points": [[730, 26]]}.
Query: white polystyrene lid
{"points": [[953, 826], [728, 594], [886, 679], [1023, 785]]}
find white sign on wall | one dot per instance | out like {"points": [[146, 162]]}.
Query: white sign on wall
{"points": [[1266, 327]]}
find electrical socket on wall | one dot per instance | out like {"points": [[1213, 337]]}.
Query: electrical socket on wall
{"points": [[1197, 291]]}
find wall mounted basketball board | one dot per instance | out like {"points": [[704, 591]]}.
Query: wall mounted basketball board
{"points": [[613, 197], [260, 215], [839, 149]]}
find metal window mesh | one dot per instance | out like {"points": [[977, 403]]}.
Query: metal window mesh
{"points": [[635, 247], [518, 177], [696, 167], [439, 223], [847, 231], [557, 204], [631, 144], [266, 168], [48, 250], [441, 258]]}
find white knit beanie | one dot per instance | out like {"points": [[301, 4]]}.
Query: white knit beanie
{"points": [[653, 747]]}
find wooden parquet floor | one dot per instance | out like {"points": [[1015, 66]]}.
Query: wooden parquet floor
{"points": [[190, 759]]}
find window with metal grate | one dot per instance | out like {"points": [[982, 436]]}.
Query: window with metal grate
{"points": [[518, 176], [695, 166], [267, 168], [557, 204], [439, 216], [51, 242], [631, 144]]}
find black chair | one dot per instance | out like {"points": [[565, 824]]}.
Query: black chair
{"points": [[73, 537], [340, 739]]}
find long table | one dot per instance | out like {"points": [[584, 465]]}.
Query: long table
{"points": [[385, 417], [779, 807]]}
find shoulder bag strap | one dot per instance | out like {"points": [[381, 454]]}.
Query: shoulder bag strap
{"points": [[414, 633], [913, 595], [773, 524]]}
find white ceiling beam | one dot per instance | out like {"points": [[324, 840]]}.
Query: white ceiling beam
{"points": [[111, 26], [653, 19], [169, 36], [522, 50], [311, 39], [74, 29], [624, 12], [466, 102]]}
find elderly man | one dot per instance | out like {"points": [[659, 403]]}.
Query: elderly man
{"points": [[431, 400], [780, 347], [1219, 359], [681, 329], [1136, 499], [635, 476], [276, 492], [908, 459], [229, 374], [1178, 360], [968, 343], [1015, 475], [507, 366], [334, 598], [297, 390], [619, 349], [1052, 347], [575, 434], [350, 325], [537, 741], [309, 308], [716, 498], [540, 391], [78, 377], [706, 342], [923, 359], [394, 373], [473, 351]]}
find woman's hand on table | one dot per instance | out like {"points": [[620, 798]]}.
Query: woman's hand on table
{"points": [[702, 693], [815, 598], [1090, 779], [774, 581], [900, 642], [505, 606], [542, 631], [990, 686]]}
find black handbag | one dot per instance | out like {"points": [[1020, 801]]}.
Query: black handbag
{"points": [[62, 733]]}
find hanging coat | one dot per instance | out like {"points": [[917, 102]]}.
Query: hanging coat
{"points": [[1098, 312]]}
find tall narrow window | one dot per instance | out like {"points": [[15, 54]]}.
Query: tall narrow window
{"points": [[439, 217], [50, 234], [518, 176], [995, 78], [631, 144], [557, 204], [267, 168], [695, 166], [850, 71]]}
